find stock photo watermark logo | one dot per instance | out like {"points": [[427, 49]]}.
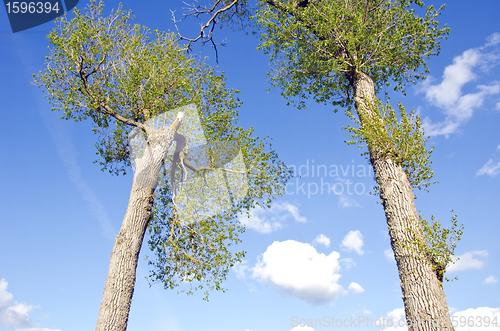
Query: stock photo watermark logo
{"points": [[340, 179], [25, 15], [397, 322], [205, 178]]}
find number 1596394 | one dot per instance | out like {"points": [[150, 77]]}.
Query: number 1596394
{"points": [[31, 7]]}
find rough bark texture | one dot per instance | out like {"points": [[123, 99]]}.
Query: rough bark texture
{"points": [[423, 295], [117, 296]]}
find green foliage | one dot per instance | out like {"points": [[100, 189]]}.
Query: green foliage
{"points": [[118, 76], [98, 65], [237, 17], [440, 243], [317, 46], [402, 140], [197, 252]]}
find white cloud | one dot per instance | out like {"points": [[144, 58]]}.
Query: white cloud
{"points": [[16, 314], [498, 148], [398, 313], [448, 94], [5, 297], [298, 270], [389, 255], [321, 239], [265, 220], [490, 280], [459, 319], [455, 76], [468, 261], [472, 314], [398, 320], [366, 312], [355, 288], [460, 111], [489, 169], [353, 241], [302, 328]]}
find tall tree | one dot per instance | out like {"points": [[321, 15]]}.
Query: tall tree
{"points": [[343, 53], [143, 94]]}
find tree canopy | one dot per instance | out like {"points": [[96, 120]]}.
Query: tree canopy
{"points": [[121, 77], [316, 45]]}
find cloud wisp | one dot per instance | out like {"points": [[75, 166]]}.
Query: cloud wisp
{"points": [[490, 168], [68, 155], [347, 202], [448, 94], [265, 220], [490, 280]]}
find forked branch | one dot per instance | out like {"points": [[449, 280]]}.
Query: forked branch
{"points": [[199, 10]]}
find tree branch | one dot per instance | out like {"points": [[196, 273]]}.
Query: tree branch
{"points": [[105, 109], [101, 106], [199, 10]]}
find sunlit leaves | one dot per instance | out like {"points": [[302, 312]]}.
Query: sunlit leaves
{"points": [[441, 242], [313, 48], [438, 243], [137, 73], [399, 136]]}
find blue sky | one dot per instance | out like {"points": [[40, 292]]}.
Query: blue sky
{"points": [[313, 255]]}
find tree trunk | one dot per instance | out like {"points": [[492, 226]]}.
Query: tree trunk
{"points": [[423, 295], [119, 288]]}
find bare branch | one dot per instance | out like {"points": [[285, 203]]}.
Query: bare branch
{"points": [[199, 10]]}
